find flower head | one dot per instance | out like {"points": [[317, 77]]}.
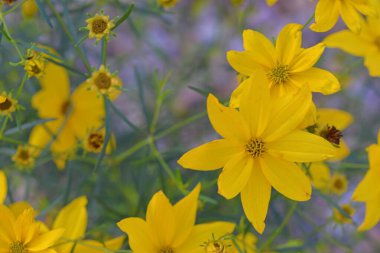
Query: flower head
{"points": [[34, 64], [338, 184], [287, 65], [29, 8], [24, 157], [7, 104], [171, 228], [99, 26], [342, 218], [260, 145], [105, 83], [167, 3], [95, 139]]}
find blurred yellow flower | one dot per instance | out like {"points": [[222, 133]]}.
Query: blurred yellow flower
{"points": [[338, 184], [327, 13], [95, 139], [171, 228], [167, 3], [322, 179], [7, 104], [103, 82], [364, 44], [271, 2], [342, 219], [24, 157], [99, 26], [287, 65], [3, 187], [22, 234], [34, 64], [261, 143], [368, 190], [29, 8]]}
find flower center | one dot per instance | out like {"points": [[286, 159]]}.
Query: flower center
{"points": [[95, 140], [216, 247], [5, 103], [65, 107], [99, 26], [24, 155], [166, 250], [17, 247], [103, 81], [377, 43], [332, 134], [35, 68], [279, 74], [255, 147]]}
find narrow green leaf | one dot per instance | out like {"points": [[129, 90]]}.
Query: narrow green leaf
{"points": [[124, 17], [43, 13]]}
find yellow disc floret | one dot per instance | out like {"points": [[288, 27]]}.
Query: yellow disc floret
{"points": [[99, 26], [7, 104]]}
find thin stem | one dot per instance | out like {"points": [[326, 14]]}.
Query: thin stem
{"points": [[21, 85], [308, 22], [9, 36], [104, 51]]}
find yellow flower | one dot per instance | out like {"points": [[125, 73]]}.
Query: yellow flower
{"points": [[246, 242], [105, 83], [287, 65], [327, 13], [271, 2], [368, 190], [364, 44], [167, 3], [342, 219], [7, 104], [75, 114], [22, 234], [323, 180], [91, 246], [170, 228], [29, 8], [338, 184], [99, 26], [24, 157], [95, 139], [260, 145], [3, 187], [34, 64]]}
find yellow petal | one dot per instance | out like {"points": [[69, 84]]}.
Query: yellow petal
{"points": [[89, 246], [19, 207], [202, 233], [320, 176], [45, 240], [271, 2], [319, 80], [140, 235], [160, 217], [301, 146], [288, 43], [7, 224], [307, 58], [350, 16], [372, 215], [255, 103], [235, 175], [242, 62], [255, 198], [263, 52], [334, 117], [227, 121], [3, 187], [41, 135], [287, 178], [341, 152], [326, 15], [185, 214], [115, 243], [367, 189], [349, 42], [25, 226], [210, 156], [371, 61], [374, 157]]}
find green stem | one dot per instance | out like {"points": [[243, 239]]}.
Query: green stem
{"points": [[21, 85], [308, 22], [104, 52], [9, 36]]}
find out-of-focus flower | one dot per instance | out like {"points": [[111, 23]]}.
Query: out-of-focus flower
{"points": [[95, 139], [343, 219], [326, 182], [287, 65], [327, 13], [368, 190], [260, 145], [9, 2], [3, 187], [99, 26], [34, 64], [29, 8], [105, 83], [271, 2], [24, 157], [22, 233], [364, 44], [246, 242], [7, 104], [171, 228], [237, 2], [338, 184], [167, 3]]}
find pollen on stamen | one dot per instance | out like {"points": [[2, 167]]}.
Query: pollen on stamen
{"points": [[279, 74], [167, 250], [17, 247], [99, 26], [255, 147]]}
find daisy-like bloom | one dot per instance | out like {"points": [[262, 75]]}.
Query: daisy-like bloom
{"points": [[3, 187], [338, 184], [170, 228], [326, 182], [105, 83], [95, 139], [287, 65], [7, 104], [368, 190], [23, 234], [24, 157], [74, 113], [167, 3], [364, 44], [99, 26], [260, 145], [34, 64], [327, 13], [29, 8], [343, 219]]}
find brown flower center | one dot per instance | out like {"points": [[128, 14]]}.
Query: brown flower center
{"points": [[65, 107], [279, 74], [99, 26], [338, 184], [216, 247], [166, 250], [6, 104], [255, 147], [103, 81], [17, 247], [377, 43], [24, 155], [332, 134], [95, 140]]}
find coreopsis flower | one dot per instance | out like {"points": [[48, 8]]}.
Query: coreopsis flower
{"points": [[3, 187], [260, 147], [105, 83], [23, 234], [7, 104], [368, 190], [167, 3], [364, 44], [323, 180], [171, 228], [29, 8], [74, 113], [287, 65], [343, 219], [327, 13], [95, 139], [24, 157], [99, 26], [34, 64]]}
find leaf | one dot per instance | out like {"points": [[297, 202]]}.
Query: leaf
{"points": [[43, 13]]}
